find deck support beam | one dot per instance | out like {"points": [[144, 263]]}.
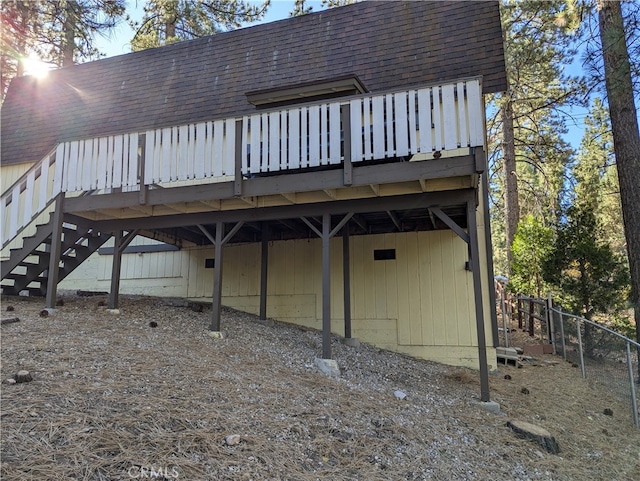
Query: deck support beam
{"points": [[346, 273], [55, 252], [326, 234], [264, 262], [120, 243], [218, 241], [477, 293], [489, 254]]}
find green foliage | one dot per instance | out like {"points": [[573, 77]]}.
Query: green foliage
{"points": [[531, 247], [170, 21], [590, 277]]}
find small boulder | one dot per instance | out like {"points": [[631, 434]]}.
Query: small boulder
{"points": [[232, 439], [23, 376], [399, 394]]}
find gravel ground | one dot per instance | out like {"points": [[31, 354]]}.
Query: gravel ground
{"points": [[115, 399]]}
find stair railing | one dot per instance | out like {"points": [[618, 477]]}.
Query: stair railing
{"points": [[28, 197]]}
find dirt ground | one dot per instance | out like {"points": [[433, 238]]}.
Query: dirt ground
{"points": [[113, 398]]}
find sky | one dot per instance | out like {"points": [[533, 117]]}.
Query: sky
{"points": [[118, 41]]}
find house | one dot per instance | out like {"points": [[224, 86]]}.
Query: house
{"points": [[328, 170]]}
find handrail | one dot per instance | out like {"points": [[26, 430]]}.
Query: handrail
{"points": [[24, 176]]}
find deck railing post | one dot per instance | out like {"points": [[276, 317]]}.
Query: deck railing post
{"points": [[531, 318], [345, 119], [142, 196]]}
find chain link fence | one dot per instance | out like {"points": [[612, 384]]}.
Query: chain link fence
{"points": [[605, 357]]}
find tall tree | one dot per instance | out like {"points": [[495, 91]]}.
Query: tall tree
{"points": [[300, 7], [536, 51], [170, 21], [60, 32], [626, 137]]}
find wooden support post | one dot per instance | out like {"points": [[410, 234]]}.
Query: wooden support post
{"points": [[115, 271], [347, 281], [326, 287], [477, 291], [489, 253], [264, 262], [216, 307], [519, 308], [56, 250], [346, 128], [531, 318], [237, 181]]}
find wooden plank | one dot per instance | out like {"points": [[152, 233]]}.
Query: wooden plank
{"points": [[314, 136], [476, 114], [264, 143], [44, 183], [403, 325], [118, 160], [324, 138], [402, 136], [438, 289], [101, 173], [198, 160], [173, 160], [391, 144], [15, 211], [150, 172], [304, 138], [229, 156], [334, 133], [91, 151], [367, 152], [463, 136], [208, 151], [449, 117], [378, 127], [424, 119], [87, 162], [391, 276], [132, 163], [413, 287], [426, 285], [58, 171], [218, 147], [191, 152], [182, 159], [274, 141], [294, 139], [71, 168], [245, 142], [355, 113], [413, 133], [437, 122], [27, 210], [254, 166], [164, 147], [284, 134], [109, 170]]}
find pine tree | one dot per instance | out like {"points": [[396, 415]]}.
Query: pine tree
{"points": [[529, 154], [170, 21], [626, 137]]}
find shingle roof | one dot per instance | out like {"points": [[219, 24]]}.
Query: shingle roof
{"points": [[386, 44]]}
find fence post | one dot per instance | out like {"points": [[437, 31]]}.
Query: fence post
{"points": [[550, 324], [584, 372], [519, 307], [564, 349], [632, 383], [504, 319], [531, 318]]}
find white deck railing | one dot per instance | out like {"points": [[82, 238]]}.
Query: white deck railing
{"points": [[380, 126]]}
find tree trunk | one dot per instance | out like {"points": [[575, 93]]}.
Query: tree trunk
{"points": [[626, 138], [69, 32], [511, 203]]}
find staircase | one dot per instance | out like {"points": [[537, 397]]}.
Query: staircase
{"points": [[27, 266]]}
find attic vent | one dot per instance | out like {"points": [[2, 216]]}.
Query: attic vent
{"points": [[307, 92]]}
